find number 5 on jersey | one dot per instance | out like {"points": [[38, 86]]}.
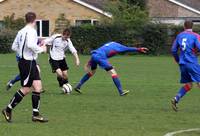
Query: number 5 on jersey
{"points": [[183, 45]]}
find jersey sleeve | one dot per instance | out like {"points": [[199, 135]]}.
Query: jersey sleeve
{"points": [[122, 48], [174, 50], [71, 47], [49, 41], [32, 42], [197, 42], [15, 45]]}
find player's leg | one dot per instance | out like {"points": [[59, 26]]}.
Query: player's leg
{"points": [[39, 70], [90, 69], [16, 99], [56, 69], [64, 67], [59, 75], [182, 91], [13, 81], [65, 76], [186, 79], [116, 81], [37, 87], [26, 83], [109, 68]]}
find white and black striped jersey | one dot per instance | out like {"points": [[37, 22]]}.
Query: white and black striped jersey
{"points": [[59, 46], [25, 43]]}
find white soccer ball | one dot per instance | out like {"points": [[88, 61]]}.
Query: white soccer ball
{"points": [[67, 88]]}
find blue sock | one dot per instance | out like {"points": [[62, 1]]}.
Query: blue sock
{"points": [[183, 90], [84, 79], [117, 83], [17, 78]]}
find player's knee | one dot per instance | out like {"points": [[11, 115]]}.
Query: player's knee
{"points": [[109, 68], [59, 71], [25, 90], [37, 85]]}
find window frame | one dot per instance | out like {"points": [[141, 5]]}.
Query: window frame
{"points": [[91, 21], [40, 27]]}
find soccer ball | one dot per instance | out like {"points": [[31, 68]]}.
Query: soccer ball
{"points": [[67, 88]]}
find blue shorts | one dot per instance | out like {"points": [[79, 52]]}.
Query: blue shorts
{"points": [[190, 73], [97, 59]]}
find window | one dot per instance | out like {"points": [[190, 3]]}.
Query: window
{"points": [[42, 28], [88, 21]]}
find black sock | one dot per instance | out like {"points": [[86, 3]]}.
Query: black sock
{"points": [[60, 81], [65, 81], [35, 103], [15, 100]]}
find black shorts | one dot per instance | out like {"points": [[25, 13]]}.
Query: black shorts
{"points": [[56, 64], [28, 72]]}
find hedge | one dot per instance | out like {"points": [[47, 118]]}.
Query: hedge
{"points": [[157, 37], [87, 38]]}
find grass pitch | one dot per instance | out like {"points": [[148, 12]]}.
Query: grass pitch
{"points": [[100, 111]]}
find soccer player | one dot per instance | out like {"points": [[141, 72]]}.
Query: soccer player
{"points": [[59, 44], [18, 78], [188, 43], [25, 44], [100, 57]]}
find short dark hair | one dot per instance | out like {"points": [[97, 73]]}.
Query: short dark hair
{"points": [[67, 31], [188, 24], [30, 17]]}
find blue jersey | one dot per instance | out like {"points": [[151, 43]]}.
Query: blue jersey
{"points": [[189, 44], [112, 48]]}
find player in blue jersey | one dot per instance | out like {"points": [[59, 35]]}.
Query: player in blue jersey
{"points": [[188, 43], [100, 57]]}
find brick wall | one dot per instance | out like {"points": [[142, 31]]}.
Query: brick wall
{"points": [[164, 8], [48, 10], [182, 12], [161, 8]]}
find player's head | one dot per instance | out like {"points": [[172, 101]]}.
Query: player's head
{"points": [[66, 33], [30, 18], [188, 24]]}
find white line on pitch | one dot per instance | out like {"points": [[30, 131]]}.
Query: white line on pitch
{"points": [[182, 131]]}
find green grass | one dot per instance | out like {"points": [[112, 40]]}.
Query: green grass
{"points": [[99, 111]]}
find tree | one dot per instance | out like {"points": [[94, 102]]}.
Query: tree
{"points": [[128, 13], [140, 3], [61, 23]]}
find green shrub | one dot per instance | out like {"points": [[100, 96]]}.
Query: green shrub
{"points": [[6, 39], [87, 37], [9, 22], [155, 38]]}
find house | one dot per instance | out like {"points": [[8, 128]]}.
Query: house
{"points": [[76, 11], [174, 11]]}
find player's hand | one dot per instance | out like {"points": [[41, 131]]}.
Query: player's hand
{"points": [[42, 43], [143, 49], [44, 48]]}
